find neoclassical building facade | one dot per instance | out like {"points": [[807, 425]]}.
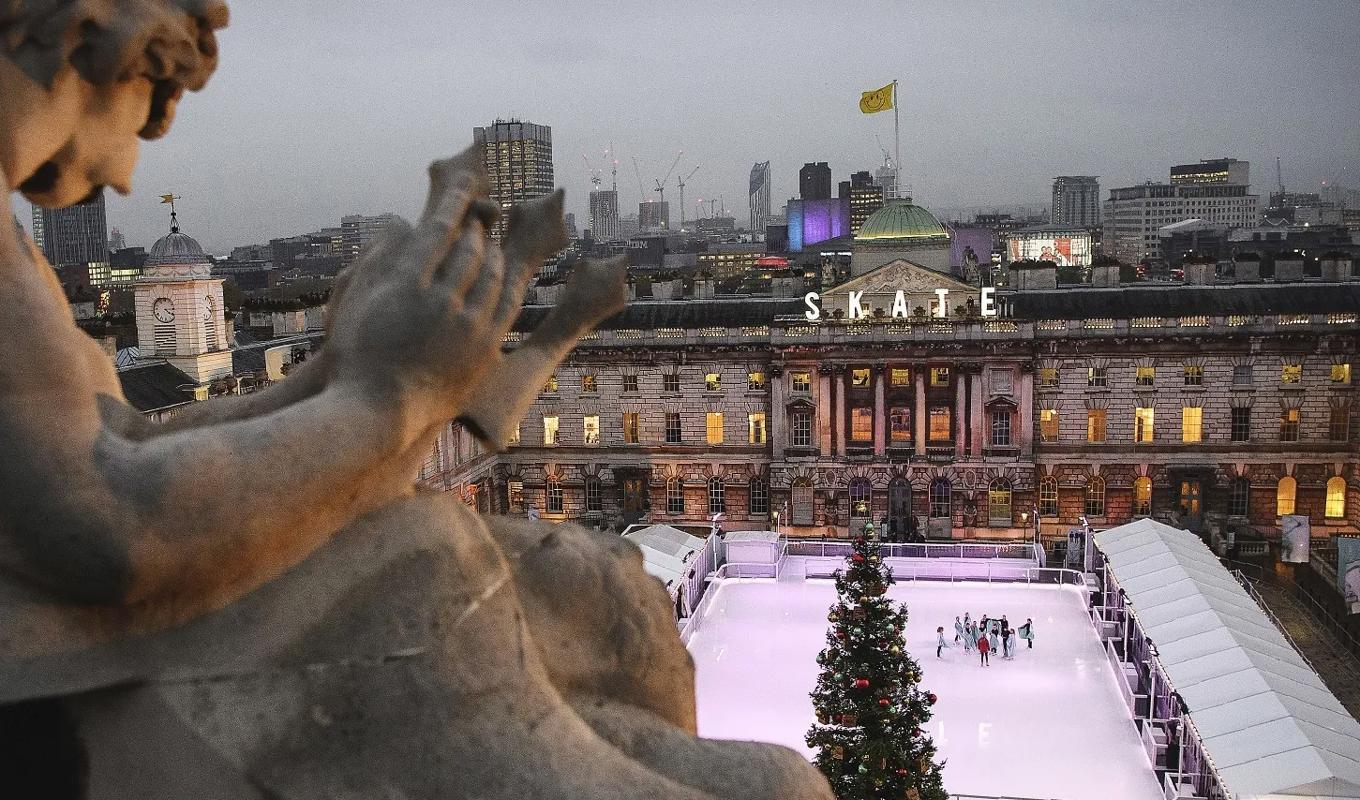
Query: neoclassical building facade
{"points": [[1221, 407]]}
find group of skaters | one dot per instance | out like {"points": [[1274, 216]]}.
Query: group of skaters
{"points": [[986, 637]]}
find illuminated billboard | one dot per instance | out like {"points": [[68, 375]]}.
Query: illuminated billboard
{"points": [[1065, 251]]}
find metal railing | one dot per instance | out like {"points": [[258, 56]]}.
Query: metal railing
{"points": [[837, 548], [1261, 603]]}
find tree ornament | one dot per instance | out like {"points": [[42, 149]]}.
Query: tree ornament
{"points": [[861, 683], [885, 702], [857, 558], [931, 698], [863, 770], [895, 650]]}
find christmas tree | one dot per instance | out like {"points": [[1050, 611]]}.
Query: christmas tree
{"points": [[871, 710]]}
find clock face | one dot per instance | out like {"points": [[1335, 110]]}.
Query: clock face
{"points": [[163, 310]]}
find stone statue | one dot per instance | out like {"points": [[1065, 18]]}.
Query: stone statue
{"points": [[252, 600]]}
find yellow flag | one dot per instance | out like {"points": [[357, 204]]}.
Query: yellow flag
{"points": [[168, 198], [877, 100]]}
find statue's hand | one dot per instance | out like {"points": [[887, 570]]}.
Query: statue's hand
{"points": [[419, 318]]}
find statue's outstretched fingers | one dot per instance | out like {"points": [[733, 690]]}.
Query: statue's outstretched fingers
{"points": [[464, 172], [373, 261], [598, 288], [534, 233]]}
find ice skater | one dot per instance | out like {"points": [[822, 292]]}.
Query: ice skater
{"points": [[983, 649], [967, 620], [1010, 644], [993, 639], [969, 638], [1027, 632], [1005, 643], [958, 630], [940, 643]]}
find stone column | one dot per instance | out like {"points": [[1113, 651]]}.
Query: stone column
{"points": [[920, 370], [960, 412], [778, 413], [824, 409], [880, 415], [1025, 398], [838, 389], [979, 430]]}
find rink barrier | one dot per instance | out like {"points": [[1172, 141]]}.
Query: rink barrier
{"points": [[839, 548]]}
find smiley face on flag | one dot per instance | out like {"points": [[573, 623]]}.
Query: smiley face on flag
{"points": [[877, 100]]}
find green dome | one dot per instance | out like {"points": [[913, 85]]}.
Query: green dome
{"points": [[901, 221]]}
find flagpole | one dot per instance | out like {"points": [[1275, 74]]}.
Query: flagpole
{"points": [[897, 136]]}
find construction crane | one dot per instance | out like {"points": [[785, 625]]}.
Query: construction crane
{"points": [[682, 194], [594, 173], [642, 192], [614, 169], [661, 182]]}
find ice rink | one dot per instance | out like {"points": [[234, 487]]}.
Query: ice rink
{"points": [[1050, 724]]}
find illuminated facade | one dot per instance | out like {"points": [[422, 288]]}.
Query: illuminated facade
{"points": [[604, 215], [1211, 171], [1076, 201], [77, 235], [759, 197], [518, 158], [1179, 403], [1135, 214]]}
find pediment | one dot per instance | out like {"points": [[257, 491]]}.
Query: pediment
{"points": [[905, 276]]}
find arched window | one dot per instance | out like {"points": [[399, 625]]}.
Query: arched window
{"points": [[1336, 498], [717, 503], [1048, 496], [941, 498], [675, 497], [1142, 496], [1239, 497], [1284, 496], [554, 504], [861, 505], [1095, 497], [999, 503], [759, 498]]}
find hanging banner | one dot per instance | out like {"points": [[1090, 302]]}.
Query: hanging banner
{"points": [[1295, 539], [1348, 570]]}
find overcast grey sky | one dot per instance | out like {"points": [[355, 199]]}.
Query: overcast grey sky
{"points": [[324, 108]]}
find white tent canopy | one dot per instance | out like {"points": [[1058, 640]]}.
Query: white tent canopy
{"points": [[666, 553], [1267, 721]]}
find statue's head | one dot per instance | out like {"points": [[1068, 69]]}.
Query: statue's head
{"points": [[81, 81]]}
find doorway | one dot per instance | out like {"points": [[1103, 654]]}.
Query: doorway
{"points": [[899, 510]]}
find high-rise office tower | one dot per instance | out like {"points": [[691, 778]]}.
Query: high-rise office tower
{"points": [[75, 235], [1213, 170], [760, 197], [886, 177], [518, 157], [866, 197], [814, 181], [357, 231], [1076, 201], [654, 216], [604, 215]]}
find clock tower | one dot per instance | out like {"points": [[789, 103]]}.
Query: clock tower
{"points": [[180, 316]]}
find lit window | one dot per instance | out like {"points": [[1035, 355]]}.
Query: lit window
{"points": [[1142, 496], [670, 382], [554, 503], [1095, 377], [514, 496], [1239, 497], [1001, 429], [1194, 375], [802, 381], [714, 427], [1095, 425], [713, 381], [755, 428], [861, 424], [630, 382], [899, 424], [551, 386], [1241, 424], [1336, 498], [760, 497], [939, 376], [1048, 496], [940, 429], [1192, 424], [675, 497], [1146, 376], [1341, 373], [861, 505], [594, 496], [590, 383], [1291, 373], [1142, 424], [549, 431], [632, 427], [900, 376], [717, 501], [801, 435], [859, 378], [1095, 497], [672, 428], [1289, 425], [1048, 425], [755, 381], [590, 429], [1048, 377], [999, 503], [1284, 496]]}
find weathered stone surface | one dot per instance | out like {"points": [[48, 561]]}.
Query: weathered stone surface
{"points": [[252, 600]]}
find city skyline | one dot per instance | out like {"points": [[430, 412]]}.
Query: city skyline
{"points": [[334, 138]]}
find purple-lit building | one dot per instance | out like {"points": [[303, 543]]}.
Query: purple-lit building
{"points": [[814, 221], [982, 241]]}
